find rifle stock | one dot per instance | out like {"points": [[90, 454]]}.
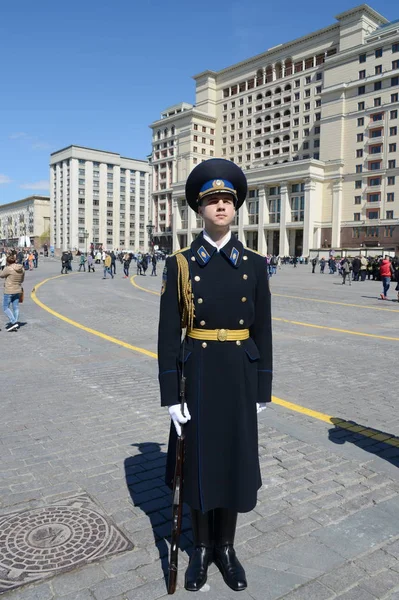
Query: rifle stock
{"points": [[177, 514]]}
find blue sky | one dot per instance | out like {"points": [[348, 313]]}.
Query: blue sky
{"points": [[97, 73]]}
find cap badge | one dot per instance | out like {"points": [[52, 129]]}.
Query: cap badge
{"points": [[218, 183]]}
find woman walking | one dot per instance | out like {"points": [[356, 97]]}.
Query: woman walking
{"points": [[14, 275]]}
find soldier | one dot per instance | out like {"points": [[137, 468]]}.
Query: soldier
{"points": [[219, 290]]}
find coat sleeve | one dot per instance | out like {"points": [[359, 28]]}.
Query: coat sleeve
{"points": [[261, 333], [169, 336]]}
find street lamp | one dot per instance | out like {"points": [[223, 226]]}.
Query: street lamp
{"points": [[86, 235], [150, 231]]}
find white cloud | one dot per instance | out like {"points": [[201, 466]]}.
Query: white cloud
{"points": [[41, 146], [43, 184], [4, 179], [18, 135]]}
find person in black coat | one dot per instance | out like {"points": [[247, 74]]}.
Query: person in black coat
{"points": [[219, 290]]}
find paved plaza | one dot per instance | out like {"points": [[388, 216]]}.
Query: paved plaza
{"points": [[84, 512]]}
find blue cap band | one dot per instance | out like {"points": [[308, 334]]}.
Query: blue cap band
{"points": [[215, 186]]}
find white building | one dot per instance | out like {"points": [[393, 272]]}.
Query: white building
{"points": [[29, 218], [99, 197], [313, 123]]}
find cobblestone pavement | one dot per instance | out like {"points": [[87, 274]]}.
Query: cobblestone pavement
{"points": [[80, 416]]}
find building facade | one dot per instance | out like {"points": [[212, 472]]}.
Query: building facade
{"points": [[314, 125], [26, 218], [99, 198]]}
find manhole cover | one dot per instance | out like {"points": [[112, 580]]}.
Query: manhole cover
{"points": [[37, 543]]}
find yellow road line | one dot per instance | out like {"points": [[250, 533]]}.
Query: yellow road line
{"points": [[336, 329], [104, 336], [372, 335], [341, 423], [339, 303], [133, 277]]}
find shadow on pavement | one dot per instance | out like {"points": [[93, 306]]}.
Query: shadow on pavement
{"points": [[382, 444], [145, 474]]}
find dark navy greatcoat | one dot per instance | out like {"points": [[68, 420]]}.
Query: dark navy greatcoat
{"points": [[225, 380]]}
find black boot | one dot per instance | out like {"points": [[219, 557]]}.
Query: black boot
{"points": [[225, 522], [197, 571]]}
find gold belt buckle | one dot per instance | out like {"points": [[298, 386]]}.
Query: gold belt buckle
{"points": [[222, 335]]}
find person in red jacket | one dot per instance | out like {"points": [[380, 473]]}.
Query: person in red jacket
{"points": [[386, 273]]}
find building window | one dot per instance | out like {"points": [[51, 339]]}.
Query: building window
{"points": [[359, 153], [373, 197], [394, 97], [362, 58], [359, 168], [377, 86], [392, 148], [375, 133], [393, 114], [377, 101], [361, 90], [356, 216], [375, 165], [394, 81], [359, 137], [395, 47], [390, 197], [395, 64], [358, 199], [378, 52], [360, 106], [274, 209], [360, 121], [392, 164], [373, 214], [362, 74], [319, 76], [378, 69], [297, 208], [388, 231], [374, 181], [391, 180], [377, 117], [393, 131], [355, 232], [389, 214], [377, 149], [358, 184]]}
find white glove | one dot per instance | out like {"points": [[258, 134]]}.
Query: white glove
{"points": [[260, 406], [177, 417]]}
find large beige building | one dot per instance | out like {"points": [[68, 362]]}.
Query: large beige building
{"points": [[28, 218], [99, 198], [313, 123]]}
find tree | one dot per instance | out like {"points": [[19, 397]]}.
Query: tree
{"points": [[44, 238]]}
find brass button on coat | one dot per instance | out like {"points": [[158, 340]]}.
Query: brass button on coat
{"points": [[245, 258], [245, 276], [204, 344], [193, 258], [197, 278], [241, 321], [238, 343], [243, 299], [202, 323], [200, 300]]}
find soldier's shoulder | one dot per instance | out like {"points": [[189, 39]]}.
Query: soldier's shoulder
{"points": [[181, 251], [254, 254]]}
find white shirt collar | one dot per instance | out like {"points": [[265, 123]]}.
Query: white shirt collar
{"points": [[224, 241]]}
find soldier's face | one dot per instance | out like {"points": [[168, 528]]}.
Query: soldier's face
{"points": [[217, 210]]}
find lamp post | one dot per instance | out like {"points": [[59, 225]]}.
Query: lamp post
{"points": [[150, 231], [86, 235]]}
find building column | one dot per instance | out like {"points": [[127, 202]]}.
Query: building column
{"points": [[284, 216], [336, 213], [261, 220], [175, 210], [308, 223]]}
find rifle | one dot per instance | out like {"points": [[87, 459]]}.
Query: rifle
{"points": [[177, 503]]}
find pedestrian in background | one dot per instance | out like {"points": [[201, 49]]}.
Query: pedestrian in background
{"points": [[107, 266], [126, 264], [82, 263], [14, 275], [154, 264], [90, 263], [386, 272]]}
